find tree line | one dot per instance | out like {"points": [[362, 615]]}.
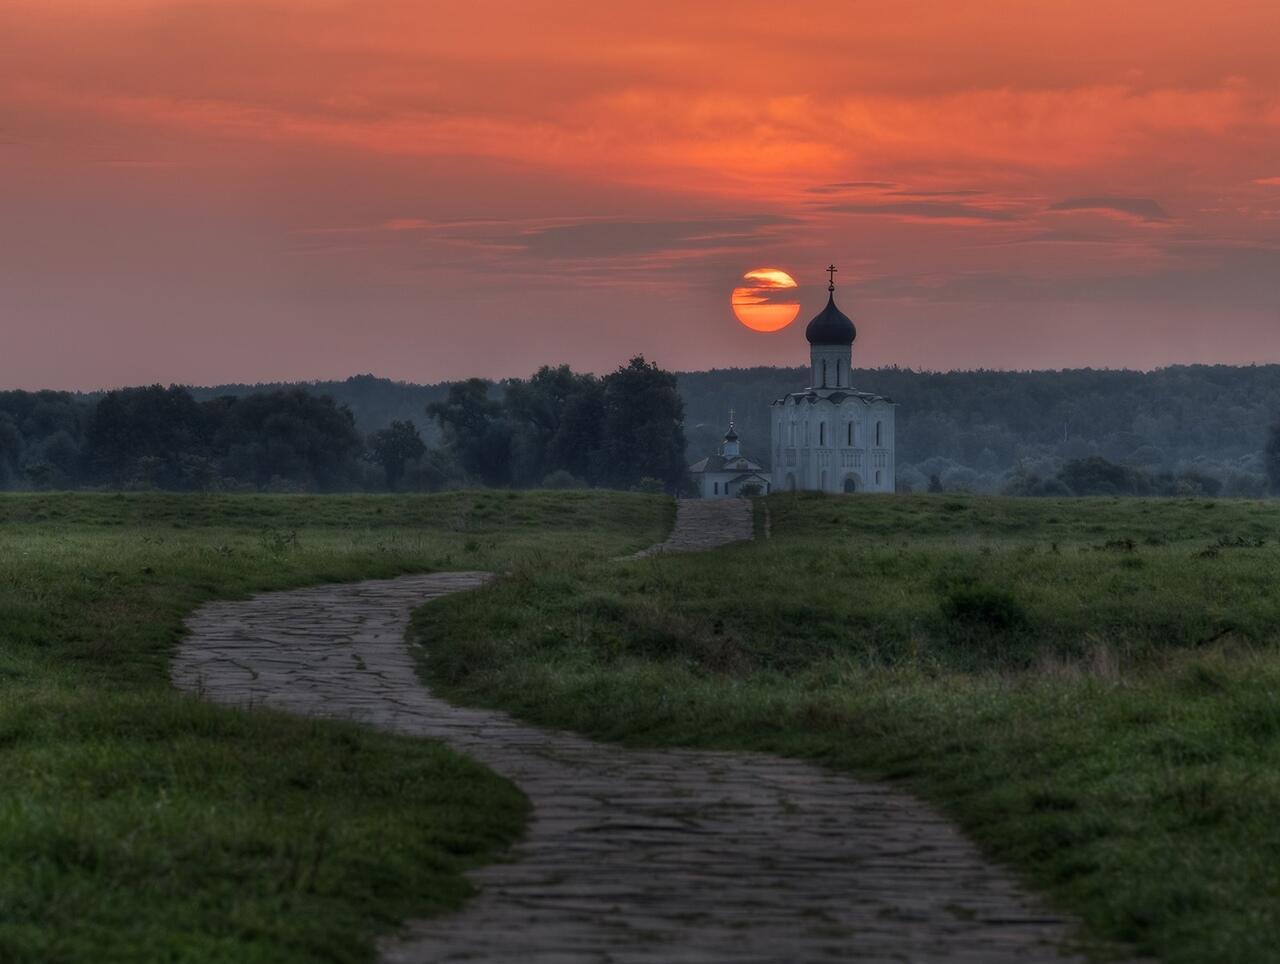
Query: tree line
{"points": [[557, 428], [1094, 475], [975, 430], [1184, 428]]}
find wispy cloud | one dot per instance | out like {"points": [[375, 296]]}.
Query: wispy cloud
{"points": [[926, 210], [841, 187], [615, 238], [958, 193], [1142, 208]]}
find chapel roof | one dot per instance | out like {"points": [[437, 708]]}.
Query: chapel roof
{"points": [[721, 463]]}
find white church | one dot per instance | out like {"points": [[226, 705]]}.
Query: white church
{"points": [[829, 437]]}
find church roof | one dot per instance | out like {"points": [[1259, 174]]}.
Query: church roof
{"points": [[831, 326], [835, 397], [721, 463]]}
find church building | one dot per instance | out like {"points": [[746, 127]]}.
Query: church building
{"points": [[829, 437], [722, 476]]}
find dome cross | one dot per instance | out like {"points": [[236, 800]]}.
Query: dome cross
{"points": [[831, 277]]}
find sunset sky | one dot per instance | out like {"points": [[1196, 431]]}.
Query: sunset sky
{"points": [[244, 190]]}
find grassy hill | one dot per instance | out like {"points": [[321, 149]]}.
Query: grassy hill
{"points": [[139, 824], [1087, 685]]}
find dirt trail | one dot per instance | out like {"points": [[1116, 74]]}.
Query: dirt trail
{"points": [[633, 856]]}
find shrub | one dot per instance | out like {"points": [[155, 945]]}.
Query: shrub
{"points": [[560, 479], [983, 608]]}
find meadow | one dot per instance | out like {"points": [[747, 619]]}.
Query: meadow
{"points": [[137, 823], [1091, 687]]}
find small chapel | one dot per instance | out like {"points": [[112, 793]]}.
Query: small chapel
{"points": [[723, 475], [830, 437]]}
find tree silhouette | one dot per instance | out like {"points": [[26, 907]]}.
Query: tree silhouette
{"points": [[394, 447], [1272, 457]]}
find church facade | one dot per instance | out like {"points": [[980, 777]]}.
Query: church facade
{"points": [[829, 437], [723, 475]]}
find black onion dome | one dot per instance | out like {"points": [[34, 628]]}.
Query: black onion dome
{"points": [[831, 326], [731, 435]]}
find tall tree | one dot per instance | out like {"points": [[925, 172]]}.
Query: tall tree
{"points": [[546, 413], [475, 431], [293, 436], [10, 449], [1272, 457], [643, 427], [394, 447], [150, 427], [576, 447]]}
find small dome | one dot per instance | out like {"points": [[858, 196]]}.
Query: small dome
{"points": [[831, 326], [731, 435]]}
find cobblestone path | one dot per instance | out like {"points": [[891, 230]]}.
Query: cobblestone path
{"points": [[703, 524], [632, 856]]}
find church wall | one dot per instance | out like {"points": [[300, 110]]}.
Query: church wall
{"points": [[810, 445], [829, 367], [719, 485]]}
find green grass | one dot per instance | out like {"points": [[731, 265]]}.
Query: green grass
{"points": [[140, 824], [1090, 687]]}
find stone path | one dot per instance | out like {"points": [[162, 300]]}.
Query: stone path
{"points": [[632, 856], [703, 524]]}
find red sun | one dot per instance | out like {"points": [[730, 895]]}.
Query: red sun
{"points": [[764, 302]]}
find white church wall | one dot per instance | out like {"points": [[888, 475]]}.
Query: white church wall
{"points": [[829, 367], [811, 450], [721, 485]]}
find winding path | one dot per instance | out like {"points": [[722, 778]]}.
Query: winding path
{"points": [[633, 856]]}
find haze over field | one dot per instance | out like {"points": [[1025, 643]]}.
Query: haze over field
{"points": [[289, 189]]}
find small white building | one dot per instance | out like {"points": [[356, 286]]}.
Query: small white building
{"points": [[722, 476], [829, 437]]}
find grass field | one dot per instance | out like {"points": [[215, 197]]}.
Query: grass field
{"points": [[1091, 687], [137, 824]]}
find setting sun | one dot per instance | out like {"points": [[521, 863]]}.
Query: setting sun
{"points": [[759, 304]]}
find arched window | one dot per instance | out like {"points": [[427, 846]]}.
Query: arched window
{"points": [[848, 430], [877, 476], [716, 487], [822, 433], [879, 439], [837, 373], [824, 373]]}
